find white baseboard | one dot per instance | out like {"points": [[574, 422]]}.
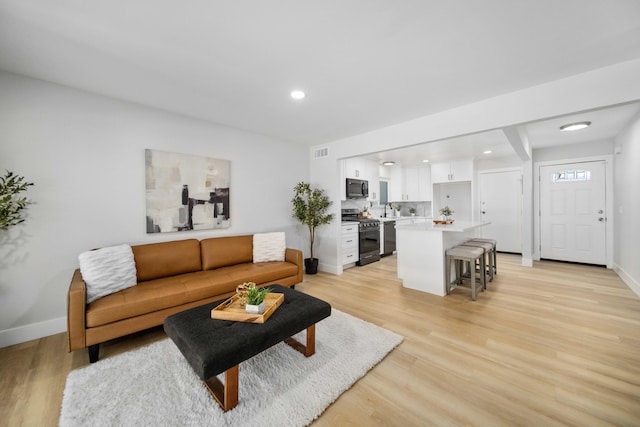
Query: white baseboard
{"points": [[527, 262], [329, 268], [32, 332], [628, 280]]}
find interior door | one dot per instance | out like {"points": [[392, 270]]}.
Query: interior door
{"points": [[572, 212], [501, 205]]}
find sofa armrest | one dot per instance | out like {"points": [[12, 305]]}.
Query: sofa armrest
{"points": [[294, 256], [76, 310]]}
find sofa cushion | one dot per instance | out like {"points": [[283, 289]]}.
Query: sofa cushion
{"points": [[158, 294], [157, 260], [224, 251], [107, 270], [269, 247], [263, 272]]}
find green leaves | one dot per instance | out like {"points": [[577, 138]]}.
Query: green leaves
{"points": [[11, 205], [255, 295], [310, 208]]}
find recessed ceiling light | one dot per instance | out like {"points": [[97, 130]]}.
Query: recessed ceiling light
{"points": [[575, 126], [298, 94], [388, 163], [425, 161], [487, 152]]}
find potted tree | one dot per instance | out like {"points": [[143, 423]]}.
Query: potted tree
{"points": [[11, 205], [310, 207]]}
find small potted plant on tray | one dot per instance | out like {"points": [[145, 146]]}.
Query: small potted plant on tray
{"points": [[255, 299], [446, 212]]}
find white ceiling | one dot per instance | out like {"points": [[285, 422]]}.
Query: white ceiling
{"points": [[606, 124], [364, 64]]}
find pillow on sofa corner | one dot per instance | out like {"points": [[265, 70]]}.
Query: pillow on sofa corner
{"points": [[269, 247], [107, 270]]}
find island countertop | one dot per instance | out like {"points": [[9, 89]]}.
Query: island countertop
{"points": [[421, 249], [457, 226]]}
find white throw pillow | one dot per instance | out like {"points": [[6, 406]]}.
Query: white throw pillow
{"points": [[269, 247], [107, 270]]}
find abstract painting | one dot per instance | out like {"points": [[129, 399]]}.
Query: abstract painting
{"points": [[186, 192]]}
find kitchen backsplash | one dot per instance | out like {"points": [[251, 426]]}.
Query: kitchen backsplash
{"points": [[422, 208]]}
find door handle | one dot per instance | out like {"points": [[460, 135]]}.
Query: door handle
{"points": [[602, 219], [483, 212], [600, 211]]}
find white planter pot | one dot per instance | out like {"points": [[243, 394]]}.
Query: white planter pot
{"points": [[254, 309]]}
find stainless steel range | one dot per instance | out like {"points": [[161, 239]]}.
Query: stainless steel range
{"points": [[368, 236]]}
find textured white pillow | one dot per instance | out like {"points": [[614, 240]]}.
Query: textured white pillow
{"points": [[107, 270], [268, 246]]}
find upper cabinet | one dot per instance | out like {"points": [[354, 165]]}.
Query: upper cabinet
{"points": [[373, 176], [410, 184], [355, 168], [457, 170]]}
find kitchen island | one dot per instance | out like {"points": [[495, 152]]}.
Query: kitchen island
{"points": [[421, 252]]}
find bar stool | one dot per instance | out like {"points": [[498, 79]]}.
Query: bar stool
{"points": [[488, 254], [494, 252], [461, 255]]}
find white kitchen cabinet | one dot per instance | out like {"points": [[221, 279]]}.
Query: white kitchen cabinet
{"points": [[410, 184], [349, 245], [424, 175], [373, 176], [355, 168], [456, 170], [396, 185]]}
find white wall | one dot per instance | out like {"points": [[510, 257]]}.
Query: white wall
{"points": [[588, 149], [85, 154], [627, 205]]}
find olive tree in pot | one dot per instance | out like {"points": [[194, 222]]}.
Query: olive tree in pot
{"points": [[11, 205], [310, 207]]}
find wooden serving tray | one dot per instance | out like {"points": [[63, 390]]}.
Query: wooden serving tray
{"points": [[443, 221], [232, 310]]}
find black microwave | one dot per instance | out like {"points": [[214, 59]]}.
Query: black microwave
{"points": [[357, 188]]}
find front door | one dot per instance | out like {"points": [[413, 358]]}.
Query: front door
{"points": [[501, 205], [572, 212]]}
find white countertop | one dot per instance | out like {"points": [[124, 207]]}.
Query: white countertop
{"points": [[457, 226]]}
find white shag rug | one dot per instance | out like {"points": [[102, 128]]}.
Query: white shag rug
{"points": [[155, 386]]}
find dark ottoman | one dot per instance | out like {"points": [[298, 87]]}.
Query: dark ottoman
{"points": [[214, 346]]}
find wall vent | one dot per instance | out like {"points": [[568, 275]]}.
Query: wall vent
{"points": [[320, 152]]}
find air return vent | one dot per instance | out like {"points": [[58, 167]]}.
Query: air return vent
{"points": [[320, 152]]}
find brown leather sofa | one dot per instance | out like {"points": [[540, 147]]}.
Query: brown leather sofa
{"points": [[172, 277]]}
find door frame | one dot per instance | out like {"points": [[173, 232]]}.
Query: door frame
{"points": [[608, 168]]}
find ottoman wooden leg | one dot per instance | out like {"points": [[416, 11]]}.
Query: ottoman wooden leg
{"points": [[310, 348], [225, 394]]}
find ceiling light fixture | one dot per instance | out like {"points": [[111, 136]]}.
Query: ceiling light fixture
{"points": [[388, 163], [575, 126], [425, 161], [487, 152], [298, 94]]}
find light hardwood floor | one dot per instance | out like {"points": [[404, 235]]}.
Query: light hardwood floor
{"points": [[557, 344]]}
